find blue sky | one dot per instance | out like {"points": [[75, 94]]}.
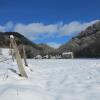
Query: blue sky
{"points": [[48, 21]]}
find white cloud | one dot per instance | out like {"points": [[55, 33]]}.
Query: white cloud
{"points": [[39, 30], [75, 27], [2, 28], [36, 29], [7, 27]]}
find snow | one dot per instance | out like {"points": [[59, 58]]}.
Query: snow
{"points": [[62, 79], [5, 51], [11, 36]]}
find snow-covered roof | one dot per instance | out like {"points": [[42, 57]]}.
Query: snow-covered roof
{"points": [[64, 53]]}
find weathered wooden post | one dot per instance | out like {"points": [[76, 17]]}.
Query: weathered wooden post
{"points": [[24, 55], [12, 52], [72, 55], [18, 57]]}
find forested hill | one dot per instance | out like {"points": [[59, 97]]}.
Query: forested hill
{"points": [[86, 44], [32, 49]]}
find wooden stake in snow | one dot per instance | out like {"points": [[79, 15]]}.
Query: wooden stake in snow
{"points": [[12, 52], [18, 57], [24, 55]]}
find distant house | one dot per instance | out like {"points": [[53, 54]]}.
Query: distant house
{"points": [[45, 57], [38, 57], [58, 56], [52, 57], [67, 55]]}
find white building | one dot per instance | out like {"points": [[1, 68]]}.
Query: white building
{"points": [[68, 55], [45, 57], [38, 57]]}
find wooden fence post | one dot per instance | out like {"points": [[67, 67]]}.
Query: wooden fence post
{"points": [[11, 52], [18, 57], [24, 55]]}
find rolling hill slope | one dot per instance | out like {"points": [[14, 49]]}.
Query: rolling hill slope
{"points": [[32, 49], [85, 44]]}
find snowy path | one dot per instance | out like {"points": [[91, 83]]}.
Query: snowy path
{"points": [[52, 80]]}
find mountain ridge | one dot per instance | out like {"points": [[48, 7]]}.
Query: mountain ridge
{"points": [[86, 44], [32, 49]]}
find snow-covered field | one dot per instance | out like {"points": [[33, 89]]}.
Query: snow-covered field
{"points": [[77, 79]]}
